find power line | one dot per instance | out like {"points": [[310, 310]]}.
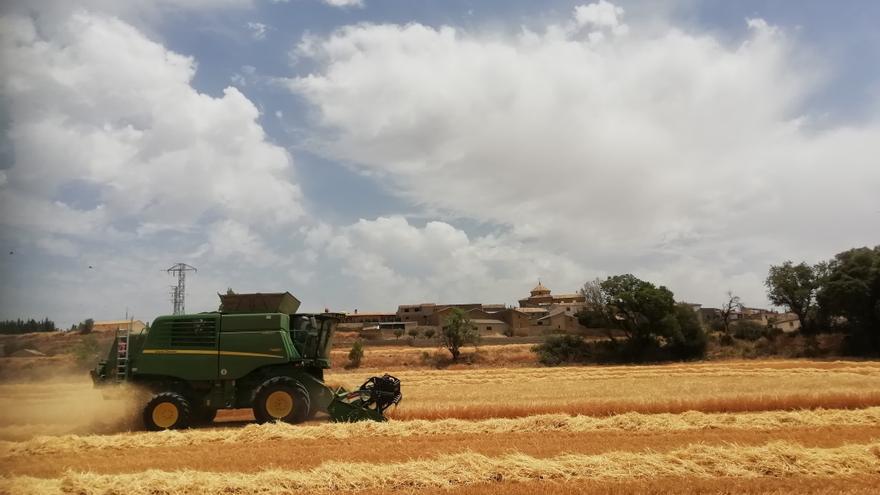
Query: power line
{"points": [[178, 292]]}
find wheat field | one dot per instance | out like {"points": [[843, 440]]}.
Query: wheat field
{"points": [[782, 426]]}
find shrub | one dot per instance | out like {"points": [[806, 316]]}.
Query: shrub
{"points": [[563, 349], [413, 332], [86, 326], [749, 330], [356, 354], [429, 333]]}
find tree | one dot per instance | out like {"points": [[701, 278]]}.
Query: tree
{"points": [[457, 332], [653, 326], [637, 308], [794, 287], [596, 309], [413, 332], [398, 332], [429, 333], [850, 290], [356, 354], [19, 326], [730, 307], [687, 340], [86, 326]]}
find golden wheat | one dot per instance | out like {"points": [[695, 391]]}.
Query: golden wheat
{"points": [[631, 422], [777, 459], [511, 392]]}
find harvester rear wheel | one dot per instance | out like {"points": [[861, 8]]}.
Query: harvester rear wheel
{"points": [[167, 411], [281, 399]]}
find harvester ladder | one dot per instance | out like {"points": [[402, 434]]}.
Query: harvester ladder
{"points": [[122, 336]]}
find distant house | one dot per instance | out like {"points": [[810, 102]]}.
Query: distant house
{"points": [[113, 325], [490, 326], [787, 322], [560, 319], [436, 314]]}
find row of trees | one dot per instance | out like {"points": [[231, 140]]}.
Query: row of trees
{"points": [[838, 295], [26, 326]]}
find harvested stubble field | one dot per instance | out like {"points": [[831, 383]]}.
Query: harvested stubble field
{"points": [[745, 427]]}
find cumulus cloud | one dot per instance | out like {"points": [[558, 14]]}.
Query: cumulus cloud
{"points": [[601, 15], [92, 100], [663, 153], [391, 260], [102, 103]]}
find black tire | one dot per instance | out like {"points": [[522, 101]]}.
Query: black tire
{"points": [[203, 415], [167, 411], [271, 398]]}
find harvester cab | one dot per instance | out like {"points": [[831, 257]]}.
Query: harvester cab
{"points": [[255, 352]]}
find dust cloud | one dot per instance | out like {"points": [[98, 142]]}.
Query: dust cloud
{"points": [[62, 405]]}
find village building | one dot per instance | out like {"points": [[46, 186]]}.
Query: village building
{"points": [[541, 297], [787, 322], [490, 326], [560, 319], [432, 314]]}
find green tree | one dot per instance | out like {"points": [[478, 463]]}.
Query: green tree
{"points": [[86, 326], [687, 338], [652, 325], [638, 308], [398, 333], [413, 332], [850, 290], [794, 287], [429, 333], [457, 332], [356, 354]]}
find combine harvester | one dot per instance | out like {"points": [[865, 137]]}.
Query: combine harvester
{"points": [[256, 352]]}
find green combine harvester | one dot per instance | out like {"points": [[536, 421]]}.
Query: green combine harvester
{"points": [[256, 352]]}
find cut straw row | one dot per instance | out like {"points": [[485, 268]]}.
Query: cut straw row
{"points": [[549, 423], [778, 459]]}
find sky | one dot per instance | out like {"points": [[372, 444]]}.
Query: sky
{"points": [[365, 154]]}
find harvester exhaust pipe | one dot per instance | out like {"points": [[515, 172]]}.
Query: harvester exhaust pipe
{"points": [[368, 402]]}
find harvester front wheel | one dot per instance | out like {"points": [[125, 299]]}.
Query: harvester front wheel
{"points": [[167, 411], [281, 399]]}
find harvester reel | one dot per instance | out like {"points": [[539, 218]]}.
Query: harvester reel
{"points": [[380, 393], [368, 402]]}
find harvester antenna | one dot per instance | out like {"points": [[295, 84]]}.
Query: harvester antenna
{"points": [[178, 292]]}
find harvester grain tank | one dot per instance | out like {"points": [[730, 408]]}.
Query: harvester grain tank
{"points": [[255, 352]]}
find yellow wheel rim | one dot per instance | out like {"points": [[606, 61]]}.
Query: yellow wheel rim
{"points": [[279, 404], [165, 415]]}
